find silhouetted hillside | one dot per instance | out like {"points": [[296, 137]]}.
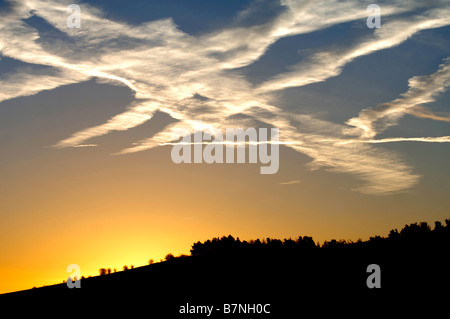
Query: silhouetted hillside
{"points": [[284, 273]]}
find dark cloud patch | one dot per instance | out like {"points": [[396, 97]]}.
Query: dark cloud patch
{"points": [[59, 43], [8, 7], [259, 12], [10, 66], [214, 14]]}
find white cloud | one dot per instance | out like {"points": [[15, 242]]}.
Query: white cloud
{"points": [[324, 65], [440, 139], [168, 70], [422, 89], [136, 115]]}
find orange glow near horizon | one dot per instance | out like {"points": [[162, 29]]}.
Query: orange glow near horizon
{"points": [[108, 213]]}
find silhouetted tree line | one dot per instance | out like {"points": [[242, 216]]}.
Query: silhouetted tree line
{"points": [[413, 236], [228, 244], [416, 234], [413, 259]]}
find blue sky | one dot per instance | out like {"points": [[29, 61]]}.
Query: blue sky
{"points": [[327, 74]]}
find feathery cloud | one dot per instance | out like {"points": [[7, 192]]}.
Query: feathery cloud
{"points": [[196, 78], [422, 89]]}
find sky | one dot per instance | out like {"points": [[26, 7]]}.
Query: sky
{"points": [[88, 117]]}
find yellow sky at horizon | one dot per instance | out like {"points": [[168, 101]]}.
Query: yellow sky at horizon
{"points": [[115, 211]]}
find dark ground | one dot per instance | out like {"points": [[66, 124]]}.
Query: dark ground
{"points": [[294, 280]]}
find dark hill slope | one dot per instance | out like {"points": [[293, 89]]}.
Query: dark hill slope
{"points": [[290, 275]]}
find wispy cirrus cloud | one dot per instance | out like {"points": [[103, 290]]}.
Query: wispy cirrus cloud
{"points": [[326, 64], [293, 182], [382, 171], [422, 89], [441, 139], [137, 114], [195, 78], [423, 112]]}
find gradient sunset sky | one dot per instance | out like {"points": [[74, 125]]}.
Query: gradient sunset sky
{"points": [[83, 111]]}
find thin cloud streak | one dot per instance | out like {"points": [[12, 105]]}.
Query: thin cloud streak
{"points": [[422, 89], [296, 181], [423, 112], [324, 65], [442, 139]]}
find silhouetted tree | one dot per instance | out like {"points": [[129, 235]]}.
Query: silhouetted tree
{"points": [[102, 271], [438, 226], [169, 257], [394, 234], [125, 267]]}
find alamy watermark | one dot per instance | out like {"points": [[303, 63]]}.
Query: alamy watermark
{"points": [[374, 279], [208, 145], [74, 280], [74, 19], [374, 18]]}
